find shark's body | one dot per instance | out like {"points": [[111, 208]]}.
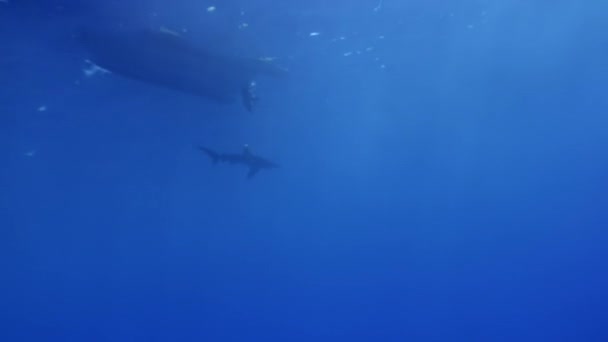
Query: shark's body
{"points": [[166, 59], [253, 162]]}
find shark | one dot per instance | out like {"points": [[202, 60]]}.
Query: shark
{"points": [[246, 157]]}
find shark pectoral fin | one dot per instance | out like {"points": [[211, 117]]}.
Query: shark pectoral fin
{"points": [[252, 172]]}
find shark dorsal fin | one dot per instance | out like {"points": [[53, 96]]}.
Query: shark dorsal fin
{"points": [[246, 151]]}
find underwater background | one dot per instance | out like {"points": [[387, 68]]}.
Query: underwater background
{"points": [[443, 176]]}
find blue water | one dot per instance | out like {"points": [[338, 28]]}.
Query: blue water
{"points": [[443, 176]]}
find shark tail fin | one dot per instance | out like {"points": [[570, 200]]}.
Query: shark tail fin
{"points": [[215, 157]]}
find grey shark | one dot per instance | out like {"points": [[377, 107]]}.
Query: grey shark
{"points": [[164, 58], [253, 162]]}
